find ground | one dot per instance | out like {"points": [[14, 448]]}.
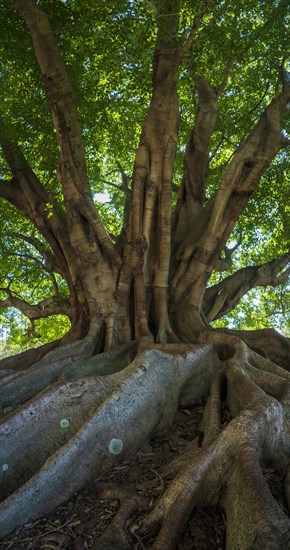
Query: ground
{"points": [[80, 522]]}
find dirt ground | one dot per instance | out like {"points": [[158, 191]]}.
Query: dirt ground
{"points": [[79, 523]]}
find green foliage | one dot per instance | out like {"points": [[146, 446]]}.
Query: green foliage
{"points": [[261, 308], [16, 333], [25, 274]]}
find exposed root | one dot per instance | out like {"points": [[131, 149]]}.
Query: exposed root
{"points": [[18, 388], [254, 518], [90, 423], [21, 361], [94, 421], [266, 365], [268, 343], [129, 503], [228, 469], [211, 425]]}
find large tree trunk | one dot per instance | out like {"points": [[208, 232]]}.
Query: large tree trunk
{"points": [[140, 343]]}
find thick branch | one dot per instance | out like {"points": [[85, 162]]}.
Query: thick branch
{"points": [[195, 158], [239, 180], [195, 163], [11, 191], [57, 83], [223, 297], [7, 189], [72, 169], [27, 194], [249, 163]]}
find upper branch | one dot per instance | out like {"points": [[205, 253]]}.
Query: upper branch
{"points": [[57, 84], [194, 27], [247, 166], [195, 162], [195, 158], [72, 170], [27, 194]]}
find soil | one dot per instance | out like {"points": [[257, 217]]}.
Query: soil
{"points": [[80, 522]]}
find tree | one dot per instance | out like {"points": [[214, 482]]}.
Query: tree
{"points": [[139, 302]]}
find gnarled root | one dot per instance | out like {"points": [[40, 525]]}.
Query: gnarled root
{"points": [[228, 468], [117, 535], [82, 425]]}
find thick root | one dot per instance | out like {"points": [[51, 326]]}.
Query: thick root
{"points": [[85, 424], [82, 426], [17, 388], [228, 468], [268, 343]]}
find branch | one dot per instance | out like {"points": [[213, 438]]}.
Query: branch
{"points": [[125, 179], [28, 195], [51, 262], [49, 306], [195, 25], [11, 191], [195, 162], [72, 169], [57, 84], [241, 177], [195, 158], [223, 297], [127, 208]]}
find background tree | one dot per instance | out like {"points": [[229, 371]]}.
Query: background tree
{"points": [[133, 275]]}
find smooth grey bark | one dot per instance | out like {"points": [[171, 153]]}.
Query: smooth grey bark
{"points": [[83, 426]]}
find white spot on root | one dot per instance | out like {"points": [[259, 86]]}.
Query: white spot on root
{"points": [[5, 467], [115, 446], [64, 423]]}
